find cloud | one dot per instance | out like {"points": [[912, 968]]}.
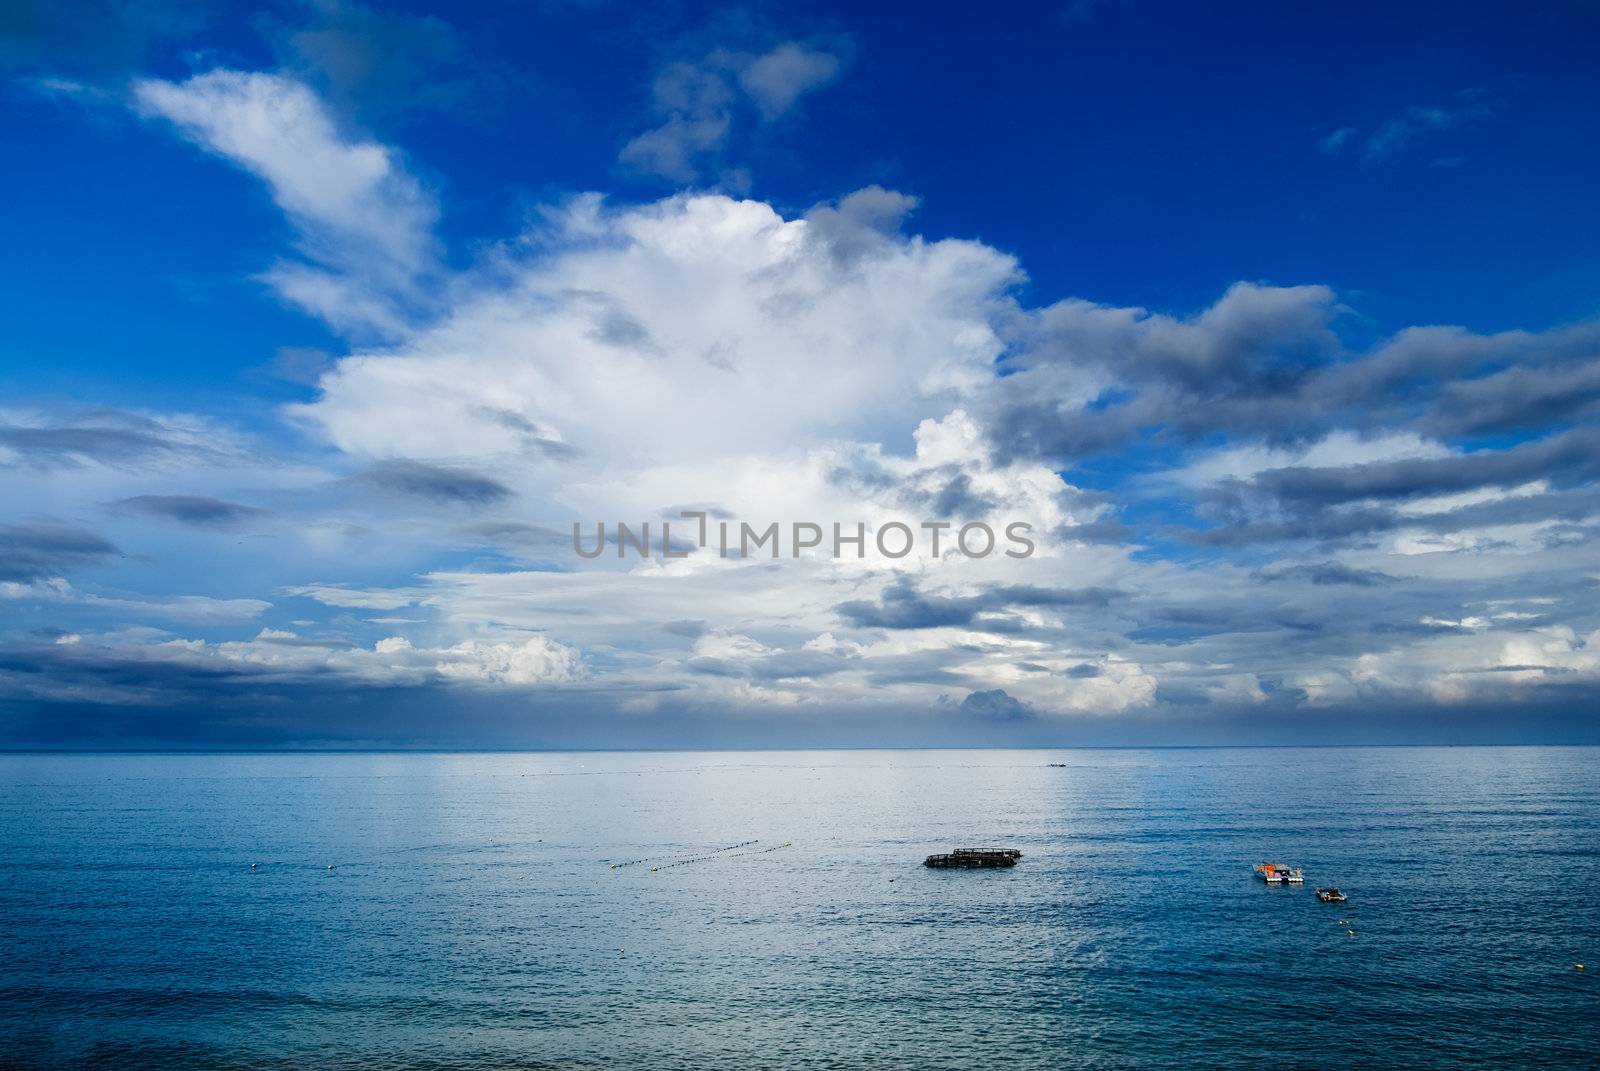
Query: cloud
{"points": [[860, 222], [436, 482], [197, 510], [364, 224], [1325, 573], [699, 101], [782, 403], [1566, 459], [49, 446], [1545, 513], [696, 105], [113, 437], [1087, 378], [1336, 140], [536, 660], [1517, 398], [32, 551], [334, 595], [1237, 508], [125, 672], [191, 609], [904, 607], [995, 705], [760, 341], [1263, 363], [778, 79], [366, 61], [1467, 106]]}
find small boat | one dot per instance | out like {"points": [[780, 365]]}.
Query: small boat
{"points": [[1330, 895], [971, 858], [1278, 874]]}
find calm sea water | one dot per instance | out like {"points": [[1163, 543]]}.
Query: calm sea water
{"points": [[473, 917]]}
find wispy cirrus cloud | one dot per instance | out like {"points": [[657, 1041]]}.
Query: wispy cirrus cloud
{"points": [[1412, 126], [75, 437], [1467, 106], [364, 223]]}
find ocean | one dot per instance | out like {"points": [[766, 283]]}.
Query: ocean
{"points": [[770, 909]]}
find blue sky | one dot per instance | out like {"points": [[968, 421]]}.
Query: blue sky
{"points": [[326, 321]]}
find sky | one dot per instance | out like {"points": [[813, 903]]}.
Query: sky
{"points": [[325, 323]]}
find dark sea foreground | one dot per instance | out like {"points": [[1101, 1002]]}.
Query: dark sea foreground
{"points": [[473, 917]]}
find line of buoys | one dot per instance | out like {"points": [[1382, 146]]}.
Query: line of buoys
{"points": [[763, 851], [702, 858], [630, 862]]}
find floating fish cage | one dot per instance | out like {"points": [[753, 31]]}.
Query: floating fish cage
{"points": [[974, 858]]}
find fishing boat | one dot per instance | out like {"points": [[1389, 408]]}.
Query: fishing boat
{"points": [[1279, 874], [972, 858], [1330, 895]]}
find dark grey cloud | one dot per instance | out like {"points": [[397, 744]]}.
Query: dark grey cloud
{"points": [[858, 224], [1170, 625], [1566, 459], [517, 532], [1234, 365], [1324, 573], [904, 607], [1262, 362], [717, 667], [1257, 339], [1095, 532], [535, 439], [108, 436], [435, 482], [1319, 509], [38, 551], [1516, 399], [610, 320], [198, 510], [958, 499], [996, 705], [939, 492]]}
